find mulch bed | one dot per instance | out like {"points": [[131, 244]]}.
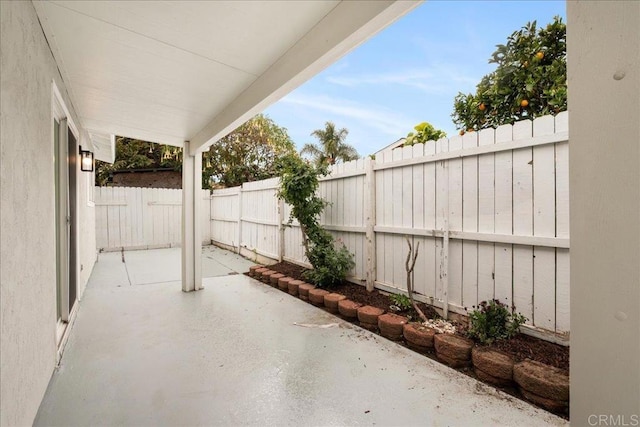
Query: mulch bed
{"points": [[520, 348], [350, 290], [524, 347]]}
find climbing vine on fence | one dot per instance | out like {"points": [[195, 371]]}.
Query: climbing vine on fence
{"points": [[298, 187]]}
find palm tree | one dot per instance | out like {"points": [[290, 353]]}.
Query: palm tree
{"points": [[331, 147]]}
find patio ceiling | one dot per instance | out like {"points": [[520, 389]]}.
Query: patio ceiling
{"points": [[170, 72]]}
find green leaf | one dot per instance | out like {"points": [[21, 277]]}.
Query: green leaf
{"points": [[512, 80]]}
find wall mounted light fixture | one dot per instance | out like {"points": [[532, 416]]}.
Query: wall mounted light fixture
{"points": [[86, 160]]}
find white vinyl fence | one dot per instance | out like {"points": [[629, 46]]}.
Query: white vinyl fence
{"points": [[490, 210], [142, 218]]}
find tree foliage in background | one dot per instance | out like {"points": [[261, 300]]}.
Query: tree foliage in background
{"points": [[136, 154], [424, 132], [331, 146], [246, 154], [530, 80], [298, 187]]}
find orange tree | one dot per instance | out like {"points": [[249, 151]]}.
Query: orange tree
{"points": [[530, 80]]}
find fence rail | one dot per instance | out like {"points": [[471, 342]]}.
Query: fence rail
{"points": [[490, 210]]}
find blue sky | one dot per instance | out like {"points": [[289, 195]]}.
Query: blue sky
{"points": [[408, 73]]}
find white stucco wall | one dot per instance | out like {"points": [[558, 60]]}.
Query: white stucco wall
{"points": [[27, 233], [87, 252], [604, 104]]}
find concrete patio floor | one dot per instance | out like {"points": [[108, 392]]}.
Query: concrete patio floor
{"points": [[142, 352]]}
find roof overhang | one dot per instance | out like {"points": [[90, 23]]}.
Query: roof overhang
{"points": [[170, 72]]}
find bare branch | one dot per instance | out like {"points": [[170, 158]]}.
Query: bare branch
{"points": [[415, 256], [412, 257]]}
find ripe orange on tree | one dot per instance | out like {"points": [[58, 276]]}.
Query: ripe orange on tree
{"points": [[482, 107], [531, 65]]}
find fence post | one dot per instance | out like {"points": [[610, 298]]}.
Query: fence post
{"points": [[370, 209], [280, 230], [239, 217]]}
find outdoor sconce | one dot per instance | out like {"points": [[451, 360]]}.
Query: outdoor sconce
{"points": [[86, 160]]}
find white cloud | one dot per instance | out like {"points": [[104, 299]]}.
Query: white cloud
{"points": [[436, 79], [415, 78], [382, 119]]}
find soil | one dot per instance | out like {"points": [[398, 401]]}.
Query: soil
{"points": [[352, 291], [523, 347], [520, 347]]}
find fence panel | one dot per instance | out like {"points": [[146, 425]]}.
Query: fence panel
{"points": [[455, 224], [293, 247], [225, 216], [503, 268], [487, 191], [470, 218], [346, 220], [137, 218], [489, 209], [424, 218], [259, 212], [344, 217], [442, 225], [544, 225], [384, 218]]}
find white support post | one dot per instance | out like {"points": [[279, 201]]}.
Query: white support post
{"points": [[280, 230], [191, 223], [239, 218], [370, 209], [604, 47]]}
